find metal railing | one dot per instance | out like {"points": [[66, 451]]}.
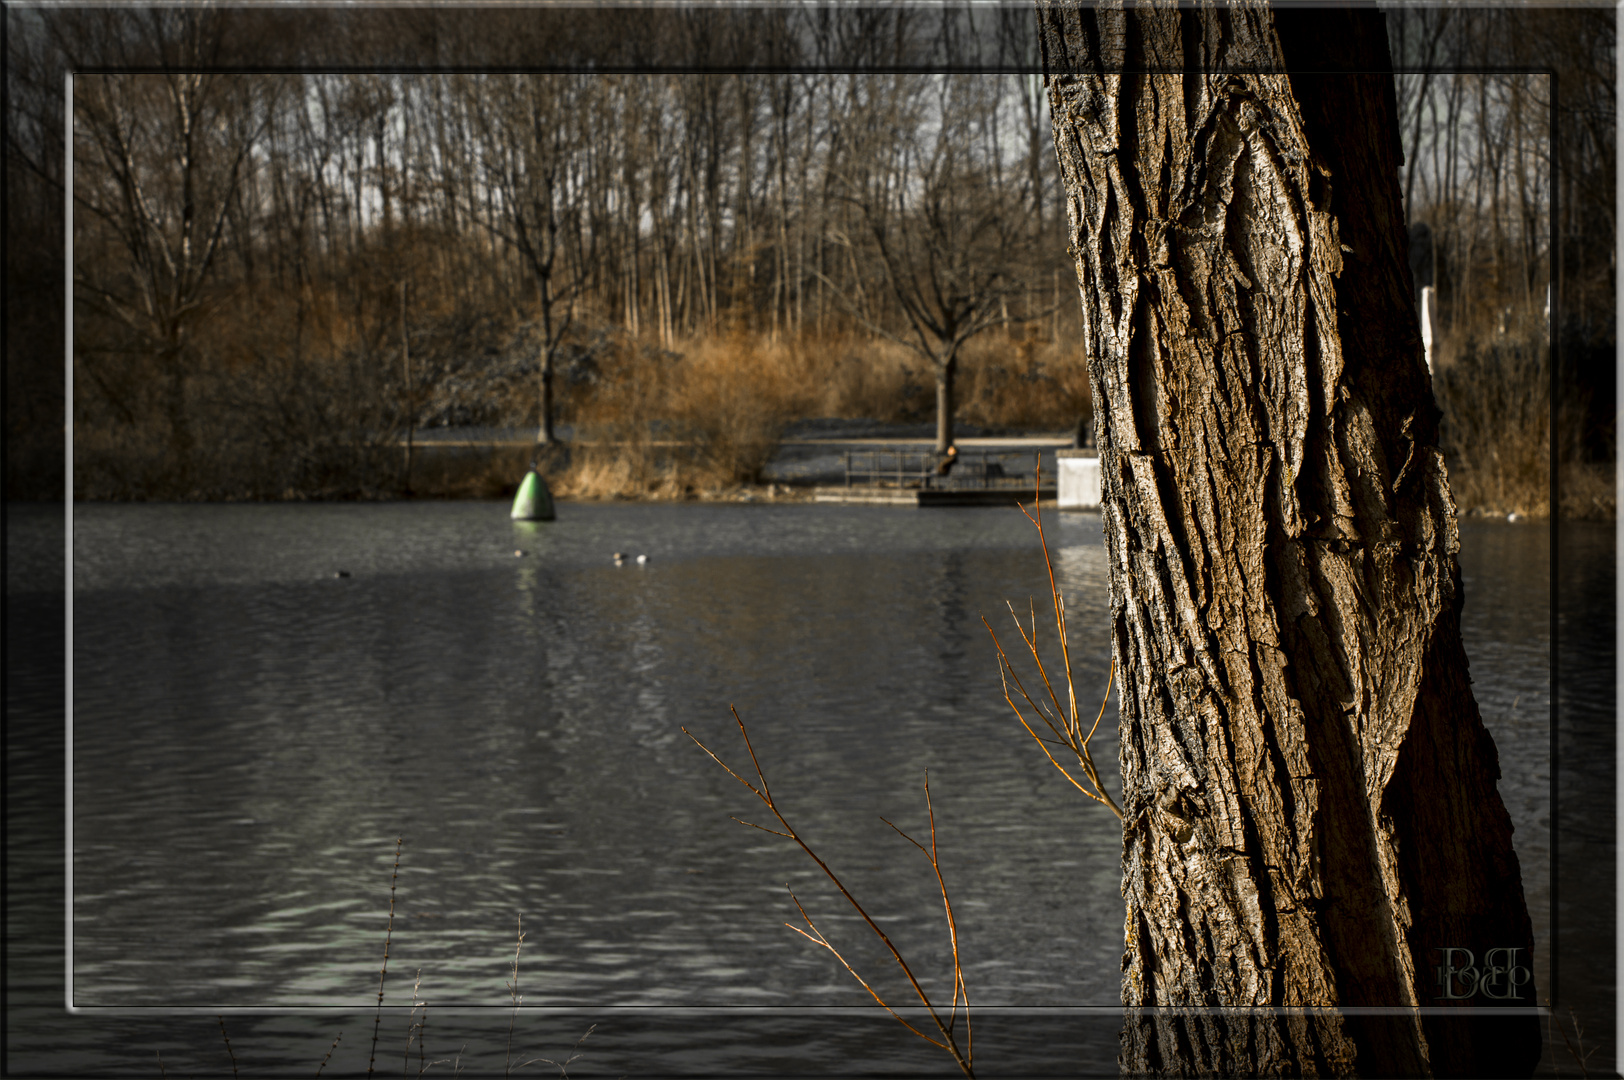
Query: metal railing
{"points": [[888, 468], [975, 470]]}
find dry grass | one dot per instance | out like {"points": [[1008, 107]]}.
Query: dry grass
{"points": [[1575, 1046], [329, 1055], [1494, 390], [702, 419], [1589, 491], [1026, 382], [319, 414], [317, 429], [657, 424], [490, 472], [706, 417], [229, 1052], [854, 376]]}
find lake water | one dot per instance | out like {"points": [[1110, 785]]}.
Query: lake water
{"points": [[251, 734]]}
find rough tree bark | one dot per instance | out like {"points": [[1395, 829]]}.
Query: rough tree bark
{"points": [[946, 374], [1310, 810]]}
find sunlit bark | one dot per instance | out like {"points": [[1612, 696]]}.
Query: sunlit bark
{"points": [[1309, 800]]}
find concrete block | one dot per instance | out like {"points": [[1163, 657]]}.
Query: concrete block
{"points": [[1079, 480]]}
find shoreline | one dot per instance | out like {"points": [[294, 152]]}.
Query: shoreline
{"points": [[744, 494], [806, 465]]}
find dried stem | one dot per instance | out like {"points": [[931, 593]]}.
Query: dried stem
{"points": [[947, 1041], [389, 934], [513, 992], [330, 1050], [1063, 720], [414, 1027], [1580, 1056], [564, 1066], [227, 1038]]}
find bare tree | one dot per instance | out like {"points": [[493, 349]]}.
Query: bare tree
{"points": [[949, 242], [528, 148], [171, 151]]}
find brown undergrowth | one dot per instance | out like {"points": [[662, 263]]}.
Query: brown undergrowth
{"points": [[691, 418], [1496, 431], [1589, 491], [1493, 385]]}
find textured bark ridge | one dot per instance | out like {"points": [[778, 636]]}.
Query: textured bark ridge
{"points": [[1310, 811]]}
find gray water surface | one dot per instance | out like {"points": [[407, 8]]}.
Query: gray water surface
{"points": [[251, 734]]}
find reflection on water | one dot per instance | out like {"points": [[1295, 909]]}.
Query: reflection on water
{"points": [[252, 734]]}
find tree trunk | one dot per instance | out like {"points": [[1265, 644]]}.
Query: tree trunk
{"points": [[1310, 815], [178, 415], [944, 403], [545, 436]]}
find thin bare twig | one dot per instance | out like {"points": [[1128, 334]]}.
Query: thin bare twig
{"points": [[959, 991], [947, 1041], [387, 937], [1581, 1056], [1064, 720], [227, 1038], [330, 1050]]}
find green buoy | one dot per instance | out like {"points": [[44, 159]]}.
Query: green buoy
{"points": [[533, 502]]}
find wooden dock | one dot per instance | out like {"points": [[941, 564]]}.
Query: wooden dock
{"points": [[895, 496]]}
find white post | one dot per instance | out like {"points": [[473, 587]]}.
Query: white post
{"points": [[1426, 323]]}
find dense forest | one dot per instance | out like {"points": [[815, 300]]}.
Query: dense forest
{"points": [[694, 224]]}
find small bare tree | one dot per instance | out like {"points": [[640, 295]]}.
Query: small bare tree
{"points": [[945, 236], [528, 145]]}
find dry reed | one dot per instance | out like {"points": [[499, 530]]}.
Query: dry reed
{"points": [[1029, 383], [415, 1026], [670, 425], [513, 992], [563, 1067], [948, 1041], [518, 999]]}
